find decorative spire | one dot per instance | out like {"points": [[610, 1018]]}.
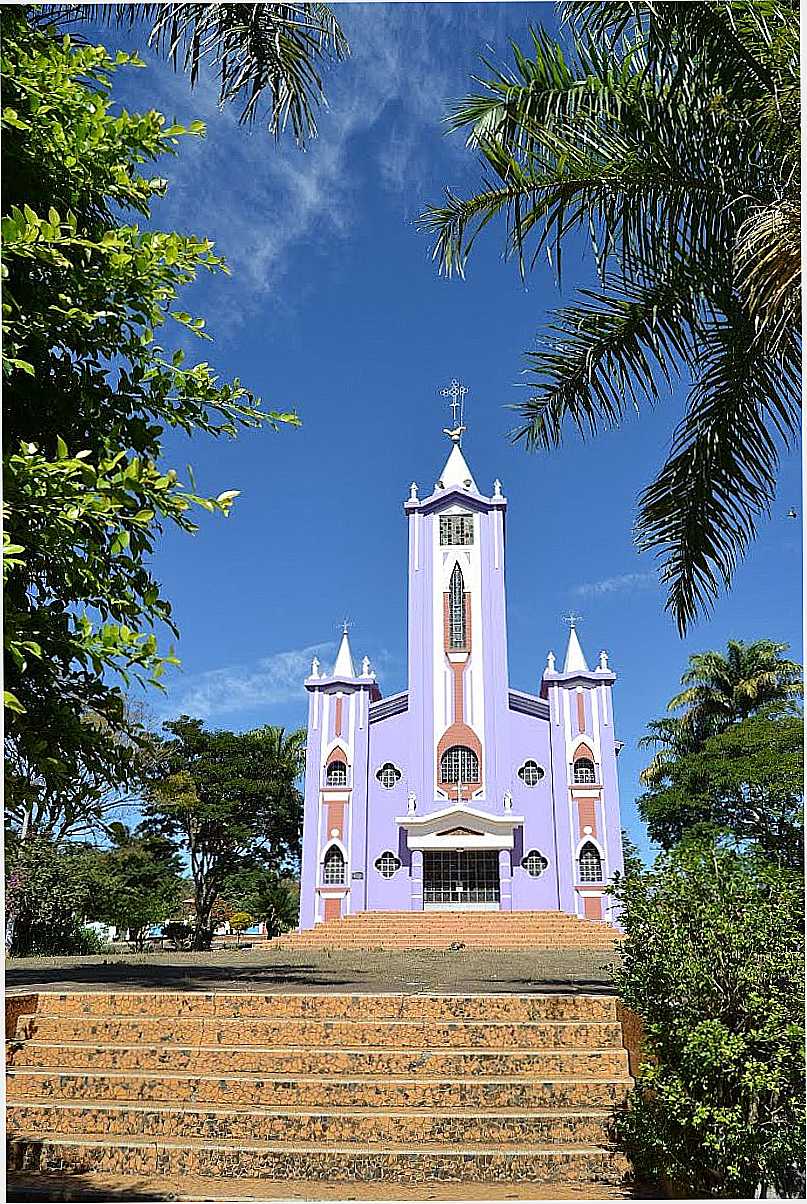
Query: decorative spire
{"points": [[456, 392], [344, 660], [575, 661]]}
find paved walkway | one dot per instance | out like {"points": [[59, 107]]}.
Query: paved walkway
{"points": [[465, 971]]}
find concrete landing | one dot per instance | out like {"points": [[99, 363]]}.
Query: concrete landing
{"points": [[268, 968]]}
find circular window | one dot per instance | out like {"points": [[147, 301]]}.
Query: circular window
{"points": [[387, 864], [534, 863], [530, 773], [388, 775]]}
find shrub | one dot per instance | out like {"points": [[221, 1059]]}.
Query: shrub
{"points": [[714, 966], [89, 941], [240, 920], [47, 894], [179, 933]]}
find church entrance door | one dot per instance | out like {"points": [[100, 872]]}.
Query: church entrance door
{"points": [[468, 881]]}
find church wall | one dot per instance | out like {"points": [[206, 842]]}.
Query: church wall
{"points": [[419, 635], [390, 740], [311, 823], [529, 738], [494, 671]]}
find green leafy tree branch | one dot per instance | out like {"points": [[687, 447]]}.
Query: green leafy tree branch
{"points": [[89, 394]]}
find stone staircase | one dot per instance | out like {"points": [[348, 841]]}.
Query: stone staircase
{"points": [[514, 930], [348, 1088]]}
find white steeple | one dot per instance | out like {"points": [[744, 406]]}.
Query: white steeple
{"points": [[456, 474], [344, 660], [575, 661]]}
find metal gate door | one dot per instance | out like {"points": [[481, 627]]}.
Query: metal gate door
{"points": [[461, 879]]}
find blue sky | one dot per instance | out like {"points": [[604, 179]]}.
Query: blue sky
{"points": [[335, 308]]}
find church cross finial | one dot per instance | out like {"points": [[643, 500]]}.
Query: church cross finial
{"points": [[456, 392], [572, 619]]}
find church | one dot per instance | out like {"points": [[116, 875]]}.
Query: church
{"points": [[460, 793]]}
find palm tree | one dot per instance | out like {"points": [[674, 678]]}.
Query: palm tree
{"points": [[670, 740], [721, 689], [724, 689], [668, 134], [260, 52]]}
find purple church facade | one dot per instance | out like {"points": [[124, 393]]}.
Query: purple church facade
{"points": [[459, 792]]}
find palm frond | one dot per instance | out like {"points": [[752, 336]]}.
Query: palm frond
{"points": [[700, 513], [601, 357], [268, 57], [768, 266]]}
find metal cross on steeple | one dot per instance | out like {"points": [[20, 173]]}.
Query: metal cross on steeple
{"points": [[456, 392], [572, 619]]}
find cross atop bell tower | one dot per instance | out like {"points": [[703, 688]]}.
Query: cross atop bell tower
{"points": [[456, 392]]}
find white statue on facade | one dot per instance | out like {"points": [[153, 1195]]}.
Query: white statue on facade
{"points": [[550, 662], [315, 667], [508, 801], [411, 802]]}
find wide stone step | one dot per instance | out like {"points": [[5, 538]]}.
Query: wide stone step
{"points": [[250, 1090], [329, 1006], [344, 1033], [399, 1164], [346, 1126], [387, 1062], [382, 942]]}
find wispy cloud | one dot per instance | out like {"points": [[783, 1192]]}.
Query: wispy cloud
{"points": [[271, 680], [259, 201], [624, 583], [268, 682]]}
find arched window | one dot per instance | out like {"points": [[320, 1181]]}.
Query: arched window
{"points": [[389, 775], [387, 864], [336, 774], [584, 773], [458, 765], [457, 637], [590, 863], [534, 863], [530, 773], [333, 867]]}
